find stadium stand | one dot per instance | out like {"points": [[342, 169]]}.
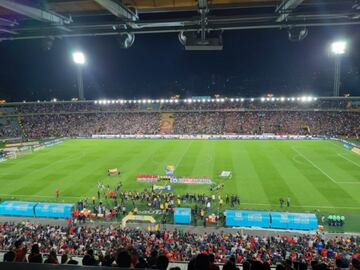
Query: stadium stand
{"points": [[108, 245], [136, 248], [323, 116]]}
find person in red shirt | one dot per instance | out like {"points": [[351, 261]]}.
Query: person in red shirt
{"points": [[20, 251]]}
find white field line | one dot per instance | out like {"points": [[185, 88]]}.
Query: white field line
{"points": [[41, 196], [242, 203], [315, 166], [353, 162], [323, 172]]}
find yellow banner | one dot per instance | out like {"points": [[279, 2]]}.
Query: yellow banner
{"points": [[356, 150], [166, 123]]}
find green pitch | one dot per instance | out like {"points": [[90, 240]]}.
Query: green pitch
{"points": [[314, 174]]}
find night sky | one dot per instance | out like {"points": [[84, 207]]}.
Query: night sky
{"points": [[252, 64]]}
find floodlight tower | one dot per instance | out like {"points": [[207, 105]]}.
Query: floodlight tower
{"points": [[79, 60], [338, 48]]}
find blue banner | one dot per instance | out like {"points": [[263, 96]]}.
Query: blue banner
{"points": [[237, 218], [54, 210], [294, 221], [182, 216], [15, 208], [34, 209]]}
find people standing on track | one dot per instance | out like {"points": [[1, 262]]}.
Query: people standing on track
{"points": [[57, 193], [288, 201]]}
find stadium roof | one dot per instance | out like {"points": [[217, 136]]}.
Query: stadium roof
{"points": [[75, 18]]}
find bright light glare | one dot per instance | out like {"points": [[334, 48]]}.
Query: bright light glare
{"points": [[79, 58], [338, 47]]}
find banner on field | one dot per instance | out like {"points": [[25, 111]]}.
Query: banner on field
{"points": [[165, 188], [190, 180], [147, 178], [356, 150], [166, 123], [226, 174], [113, 172], [169, 170]]}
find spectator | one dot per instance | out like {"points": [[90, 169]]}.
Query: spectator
{"points": [[89, 258], [52, 258], [20, 251], [162, 262], [35, 256], [10, 256], [123, 259]]}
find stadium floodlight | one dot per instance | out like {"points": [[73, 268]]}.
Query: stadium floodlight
{"points": [[338, 47], [79, 60], [262, 99], [242, 100], [282, 99]]}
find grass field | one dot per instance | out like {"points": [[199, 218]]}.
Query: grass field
{"points": [[314, 174]]}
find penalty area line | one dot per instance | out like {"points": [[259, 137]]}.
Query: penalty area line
{"points": [[41, 196], [315, 166], [344, 157], [302, 206]]}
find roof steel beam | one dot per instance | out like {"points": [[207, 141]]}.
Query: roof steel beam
{"points": [[118, 9], [8, 31], [35, 13], [286, 7], [6, 22]]}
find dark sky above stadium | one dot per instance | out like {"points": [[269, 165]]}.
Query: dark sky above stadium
{"points": [[252, 64]]}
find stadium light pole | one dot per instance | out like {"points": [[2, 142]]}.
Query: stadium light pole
{"points": [[79, 60], [338, 48]]}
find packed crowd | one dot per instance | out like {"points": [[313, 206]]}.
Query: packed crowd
{"points": [[317, 123], [114, 203], [9, 128], [194, 105], [108, 245], [318, 117]]}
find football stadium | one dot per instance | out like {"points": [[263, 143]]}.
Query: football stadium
{"points": [[251, 167]]}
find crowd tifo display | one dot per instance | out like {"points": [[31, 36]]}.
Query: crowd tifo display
{"points": [[224, 116]]}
